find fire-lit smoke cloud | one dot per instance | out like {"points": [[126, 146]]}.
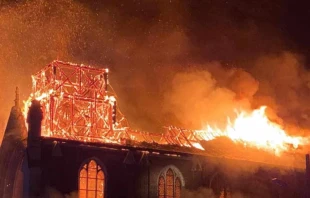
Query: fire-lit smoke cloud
{"points": [[213, 92], [214, 55], [196, 96], [284, 86]]}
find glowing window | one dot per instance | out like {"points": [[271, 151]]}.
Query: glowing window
{"points": [[177, 188], [91, 181], [169, 185], [161, 187]]}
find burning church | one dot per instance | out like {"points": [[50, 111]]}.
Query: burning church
{"points": [[71, 137]]}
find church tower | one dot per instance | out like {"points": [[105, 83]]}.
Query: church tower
{"points": [[12, 152]]}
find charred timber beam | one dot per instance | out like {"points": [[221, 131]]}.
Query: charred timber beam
{"points": [[179, 152]]}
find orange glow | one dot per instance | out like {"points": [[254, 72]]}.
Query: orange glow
{"points": [[256, 130], [91, 181], [161, 187], [78, 105], [177, 188], [170, 184]]}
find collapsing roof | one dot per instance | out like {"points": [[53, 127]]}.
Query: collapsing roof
{"points": [[79, 104]]}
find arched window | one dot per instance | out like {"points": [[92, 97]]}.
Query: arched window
{"points": [[169, 184], [91, 181]]}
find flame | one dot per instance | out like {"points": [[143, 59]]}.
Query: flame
{"points": [[254, 129], [114, 138], [36, 96], [76, 107], [198, 146]]}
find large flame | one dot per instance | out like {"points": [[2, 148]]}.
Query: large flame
{"points": [[75, 106], [256, 130], [252, 129]]}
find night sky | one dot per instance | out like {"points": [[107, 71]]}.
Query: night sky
{"points": [[172, 62]]}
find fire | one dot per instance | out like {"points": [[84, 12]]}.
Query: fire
{"points": [[254, 129], [77, 105], [36, 96]]}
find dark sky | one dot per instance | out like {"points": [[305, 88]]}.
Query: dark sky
{"points": [[284, 19], [147, 43]]}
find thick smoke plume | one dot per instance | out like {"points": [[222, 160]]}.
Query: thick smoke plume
{"points": [[172, 62], [196, 96], [211, 92]]}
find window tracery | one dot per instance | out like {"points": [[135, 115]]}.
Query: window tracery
{"points": [[91, 181], [169, 184]]}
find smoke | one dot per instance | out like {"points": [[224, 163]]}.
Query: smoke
{"points": [[245, 179], [196, 96], [211, 92], [53, 193], [284, 87], [172, 62], [207, 192], [200, 193]]}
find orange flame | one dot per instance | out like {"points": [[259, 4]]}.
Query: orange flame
{"points": [[36, 96], [253, 129], [78, 123], [256, 130]]}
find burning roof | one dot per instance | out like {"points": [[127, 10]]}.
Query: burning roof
{"points": [[79, 104]]}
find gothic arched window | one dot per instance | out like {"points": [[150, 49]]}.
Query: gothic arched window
{"points": [[91, 181], [169, 184]]}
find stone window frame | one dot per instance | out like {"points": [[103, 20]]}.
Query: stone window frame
{"points": [[177, 174]]}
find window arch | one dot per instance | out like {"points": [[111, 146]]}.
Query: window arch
{"points": [[91, 180], [170, 183]]}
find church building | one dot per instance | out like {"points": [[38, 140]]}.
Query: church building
{"points": [[72, 141]]}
